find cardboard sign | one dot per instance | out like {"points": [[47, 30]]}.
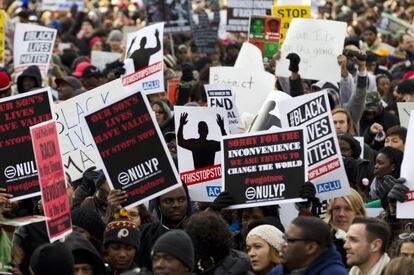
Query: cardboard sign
{"points": [[264, 168], [250, 87], [287, 13], [199, 131], [33, 46], [52, 181], [404, 109], [144, 60], [269, 116], [390, 24], [2, 36], [100, 58], [221, 96], [318, 44], [18, 173], [77, 149], [175, 14], [264, 33], [60, 5], [131, 148], [239, 12], [325, 167], [405, 210]]}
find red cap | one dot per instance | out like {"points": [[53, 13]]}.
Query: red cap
{"points": [[5, 81], [408, 75], [80, 68]]}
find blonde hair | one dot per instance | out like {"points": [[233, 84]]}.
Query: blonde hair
{"points": [[400, 266], [350, 129], [354, 200]]}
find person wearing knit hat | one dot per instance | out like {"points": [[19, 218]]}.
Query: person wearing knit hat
{"points": [[173, 254], [96, 43], [53, 258], [263, 245], [88, 222], [121, 243], [115, 40], [5, 84]]}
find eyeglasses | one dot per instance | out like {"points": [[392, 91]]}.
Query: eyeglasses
{"points": [[293, 240]]}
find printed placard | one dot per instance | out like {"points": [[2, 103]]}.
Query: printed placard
{"points": [[325, 167], [144, 60], [239, 12], [33, 45], [205, 30], [60, 5], [18, 173], [77, 149], [132, 151], [2, 36], [264, 168], [199, 131], [318, 44], [175, 14], [287, 13], [52, 181], [221, 96]]}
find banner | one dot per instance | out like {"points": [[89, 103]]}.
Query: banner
{"points": [[144, 60], [390, 25], [77, 150], [52, 181], [239, 12], [175, 14], [2, 36], [318, 44], [264, 168], [199, 131], [60, 5], [405, 209], [404, 109], [264, 33], [325, 167], [100, 58], [132, 150], [18, 173], [33, 45], [221, 96], [287, 13]]}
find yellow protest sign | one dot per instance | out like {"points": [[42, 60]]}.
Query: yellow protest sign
{"points": [[2, 36], [287, 13]]}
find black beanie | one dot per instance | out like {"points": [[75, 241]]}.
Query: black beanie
{"points": [[177, 244], [187, 71], [53, 258], [89, 220]]}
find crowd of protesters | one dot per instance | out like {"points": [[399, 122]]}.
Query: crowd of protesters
{"points": [[174, 234]]}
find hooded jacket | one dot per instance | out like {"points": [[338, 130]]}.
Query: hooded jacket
{"points": [[168, 124], [330, 262], [236, 263], [33, 72]]}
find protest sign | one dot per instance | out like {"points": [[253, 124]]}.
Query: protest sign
{"points": [[325, 165], [269, 115], [239, 12], [318, 44], [404, 109], [144, 60], [172, 86], [132, 151], [20, 221], [250, 87], [77, 149], [2, 36], [390, 25], [405, 210], [221, 96], [287, 13], [198, 155], [264, 168], [18, 173], [264, 33], [175, 14], [60, 5], [250, 57], [52, 181], [205, 31], [100, 58], [33, 45]]}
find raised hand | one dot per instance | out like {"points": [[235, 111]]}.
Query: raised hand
{"points": [[183, 118]]}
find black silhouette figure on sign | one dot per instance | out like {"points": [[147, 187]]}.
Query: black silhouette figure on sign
{"points": [[265, 120], [141, 56], [203, 150]]}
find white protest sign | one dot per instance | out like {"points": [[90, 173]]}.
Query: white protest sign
{"points": [[325, 165], [60, 5], [144, 60], [404, 109], [77, 151], [199, 132], [249, 56], [250, 87], [318, 43], [268, 116], [221, 96], [405, 210], [33, 45], [100, 58]]}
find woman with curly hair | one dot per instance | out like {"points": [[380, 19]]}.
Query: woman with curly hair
{"points": [[212, 241]]}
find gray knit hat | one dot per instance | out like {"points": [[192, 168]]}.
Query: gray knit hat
{"points": [[115, 35]]}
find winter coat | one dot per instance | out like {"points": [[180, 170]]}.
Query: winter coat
{"points": [[33, 72], [329, 263], [236, 263]]}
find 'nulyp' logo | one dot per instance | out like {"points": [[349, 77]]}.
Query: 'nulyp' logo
{"points": [[20, 170], [213, 191], [328, 186], [139, 171], [150, 85]]}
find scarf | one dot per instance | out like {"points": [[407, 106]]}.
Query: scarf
{"points": [[377, 269]]}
